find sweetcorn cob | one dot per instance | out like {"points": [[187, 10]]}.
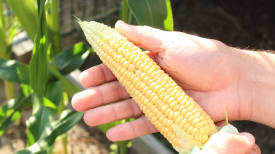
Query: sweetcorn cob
{"points": [[178, 117]]}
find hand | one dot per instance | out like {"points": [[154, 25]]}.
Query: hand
{"points": [[207, 70]]}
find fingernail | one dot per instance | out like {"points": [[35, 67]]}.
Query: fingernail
{"points": [[248, 138], [120, 23], [83, 75]]}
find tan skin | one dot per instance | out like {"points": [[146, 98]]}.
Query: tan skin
{"points": [[217, 76]]}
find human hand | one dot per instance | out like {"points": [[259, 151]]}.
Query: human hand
{"points": [[206, 69]]}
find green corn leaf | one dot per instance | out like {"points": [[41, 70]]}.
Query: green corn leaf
{"points": [[125, 14], [12, 31], [132, 20], [41, 117], [26, 90], [38, 63], [11, 111], [155, 13], [69, 87], [71, 58], [9, 114], [49, 104], [30, 152], [124, 11], [68, 119], [14, 71], [26, 12], [54, 92]]}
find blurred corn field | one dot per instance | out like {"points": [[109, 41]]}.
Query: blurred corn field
{"points": [[102, 10], [41, 48]]}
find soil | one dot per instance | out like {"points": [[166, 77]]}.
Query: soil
{"points": [[244, 24]]}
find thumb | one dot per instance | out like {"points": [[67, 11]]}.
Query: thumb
{"points": [[226, 143], [144, 36]]}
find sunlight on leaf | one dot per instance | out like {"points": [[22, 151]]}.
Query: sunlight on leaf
{"points": [[155, 13]]}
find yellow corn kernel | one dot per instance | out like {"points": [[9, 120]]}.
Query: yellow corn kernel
{"points": [[163, 102]]}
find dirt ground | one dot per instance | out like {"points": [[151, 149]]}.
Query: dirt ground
{"points": [[245, 24]]}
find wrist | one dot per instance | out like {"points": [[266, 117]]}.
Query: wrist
{"points": [[257, 86]]}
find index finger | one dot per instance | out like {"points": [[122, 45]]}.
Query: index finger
{"points": [[144, 36]]}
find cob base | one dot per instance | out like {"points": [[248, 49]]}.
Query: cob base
{"points": [[227, 129]]}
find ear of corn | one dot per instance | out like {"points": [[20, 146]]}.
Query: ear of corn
{"points": [[178, 117]]}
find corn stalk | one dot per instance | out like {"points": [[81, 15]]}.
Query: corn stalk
{"points": [[52, 19], [4, 51]]}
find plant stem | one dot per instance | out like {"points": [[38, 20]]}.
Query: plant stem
{"points": [[65, 144], [125, 11], [9, 90], [52, 18], [9, 87], [123, 147], [4, 53], [3, 43]]}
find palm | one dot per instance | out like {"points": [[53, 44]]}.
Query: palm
{"points": [[204, 72]]}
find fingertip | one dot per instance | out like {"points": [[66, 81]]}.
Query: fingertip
{"points": [[143, 36], [81, 101], [248, 138], [234, 143], [74, 102], [256, 150], [120, 132], [125, 29], [88, 119], [110, 134], [83, 77], [120, 23]]}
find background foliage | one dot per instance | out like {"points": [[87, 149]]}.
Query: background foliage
{"points": [[43, 85]]}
